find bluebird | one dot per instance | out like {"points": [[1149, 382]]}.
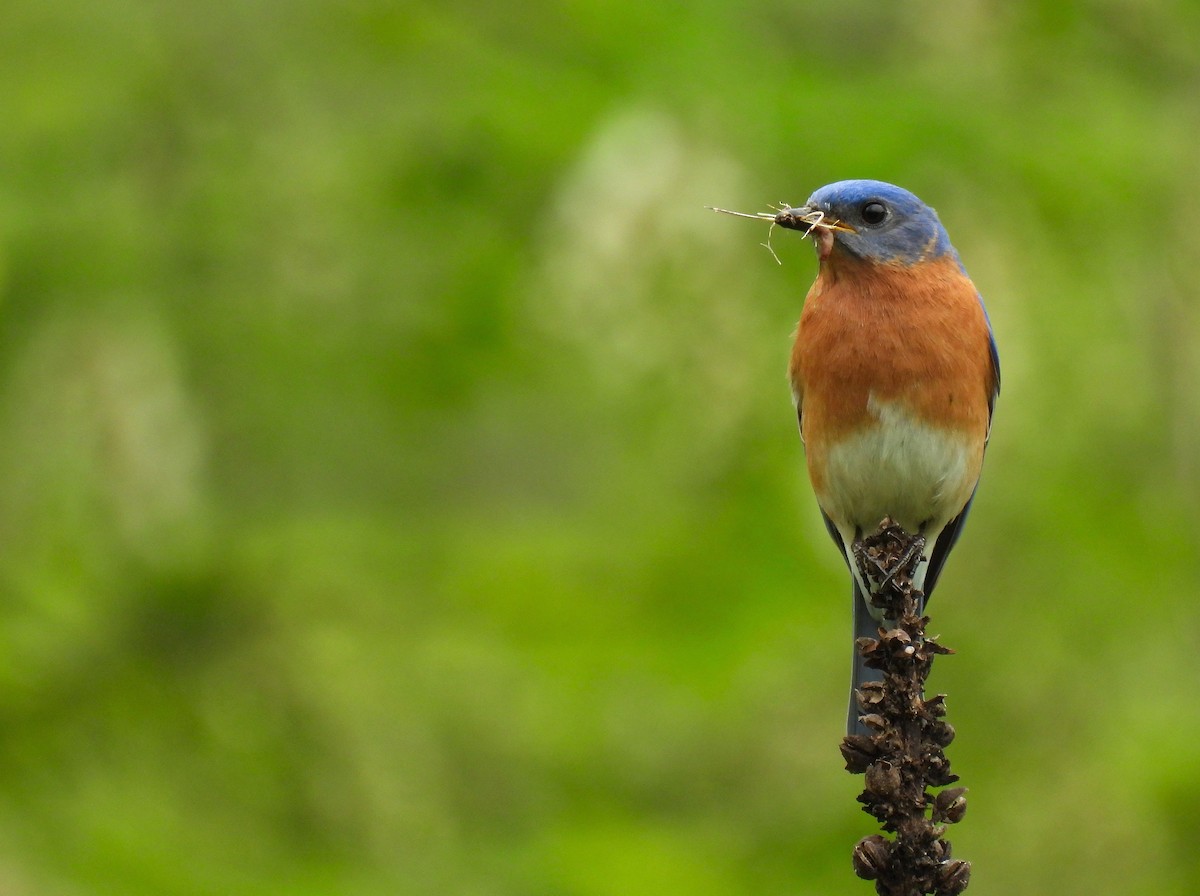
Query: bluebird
{"points": [[894, 373]]}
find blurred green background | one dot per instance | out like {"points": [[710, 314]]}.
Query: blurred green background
{"points": [[399, 486]]}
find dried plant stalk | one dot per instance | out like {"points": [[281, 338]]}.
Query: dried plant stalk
{"points": [[903, 757]]}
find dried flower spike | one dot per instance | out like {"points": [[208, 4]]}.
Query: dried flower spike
{"points": [[903, 756]]}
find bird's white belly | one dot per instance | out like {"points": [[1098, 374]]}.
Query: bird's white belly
{"points": [[901, 467]]}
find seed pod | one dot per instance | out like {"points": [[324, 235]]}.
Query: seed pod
{"points": [[936, 705], [859, 751], [869, 695], [952, 877], [872, 856], [874, 721], [950, 805], [883, 778], [941, 733]]}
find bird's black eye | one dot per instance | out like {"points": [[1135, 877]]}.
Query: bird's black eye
{"points": [[874, 212]]}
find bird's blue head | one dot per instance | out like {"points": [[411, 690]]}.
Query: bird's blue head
{"points": [[871, 220]]}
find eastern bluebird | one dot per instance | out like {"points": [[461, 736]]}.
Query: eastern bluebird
{"points": [[894, 372]]}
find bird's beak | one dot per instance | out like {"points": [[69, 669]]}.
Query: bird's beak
{"points": [[814, 222]]}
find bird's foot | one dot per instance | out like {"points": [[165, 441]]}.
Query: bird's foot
{"points": [[887, 560]]}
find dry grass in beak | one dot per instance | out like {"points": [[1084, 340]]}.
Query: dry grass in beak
{"points": [[803, 219]]}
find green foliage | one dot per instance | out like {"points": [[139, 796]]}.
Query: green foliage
{"points": [[399, 491]]}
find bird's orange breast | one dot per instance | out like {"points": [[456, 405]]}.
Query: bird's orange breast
{"points": [[913, 338]]}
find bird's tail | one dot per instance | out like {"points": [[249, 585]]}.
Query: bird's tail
{"points": [[865, 626]]}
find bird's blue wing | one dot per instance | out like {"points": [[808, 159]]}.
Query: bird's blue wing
{"points": [[941, 550], [835, 535], [995, 357]]}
